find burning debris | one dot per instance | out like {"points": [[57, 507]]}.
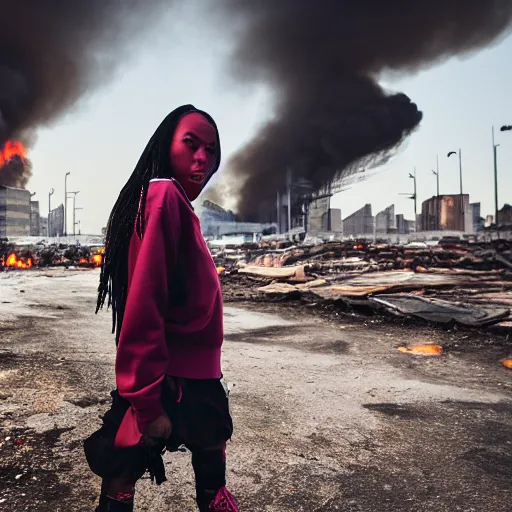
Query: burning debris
{"points": [[16, 258], [423, 350]]}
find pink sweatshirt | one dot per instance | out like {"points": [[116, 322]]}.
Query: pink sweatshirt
{"points": [[159, 338]]}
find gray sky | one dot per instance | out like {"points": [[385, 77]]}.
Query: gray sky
{"points": [[101, 140]]}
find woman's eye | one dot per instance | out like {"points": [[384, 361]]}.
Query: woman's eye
{"points": [[190, 143], [210, 149]]}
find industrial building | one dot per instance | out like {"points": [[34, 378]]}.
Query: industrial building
{"points": [[359, 223], [446, 212], [385, 221], [217, 223], [56, 222], [505, 216], [35, 219], [15, 212]]}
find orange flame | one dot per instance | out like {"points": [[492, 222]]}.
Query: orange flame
{"points": [[507, 363], [13, 261], [423, 350], [97, 259], [10, 150]]}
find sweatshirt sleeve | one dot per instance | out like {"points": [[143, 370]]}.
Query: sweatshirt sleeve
{"points": [[142, 353]]}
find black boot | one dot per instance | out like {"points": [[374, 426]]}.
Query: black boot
{"points": [[110, 505]]}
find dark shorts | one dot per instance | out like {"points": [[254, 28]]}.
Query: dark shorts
{"points": [[200, 417], [199, 414]]}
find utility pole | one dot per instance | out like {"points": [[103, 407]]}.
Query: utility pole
{"points": [[50, 194], [438, 206], [415, 198], [463, 212], [74, 201], [75, 223], [66, 204]]}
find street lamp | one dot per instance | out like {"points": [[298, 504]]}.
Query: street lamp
{"points": [[461, 194], [504, 128], [50, 194], [66, 204]]}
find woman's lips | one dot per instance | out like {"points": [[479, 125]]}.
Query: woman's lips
{"points": [[197, 177]]}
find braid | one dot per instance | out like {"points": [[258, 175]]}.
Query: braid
{"points": [[128, 215]]}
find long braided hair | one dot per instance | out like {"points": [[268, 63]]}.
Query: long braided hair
{"points": [[128, 213]]}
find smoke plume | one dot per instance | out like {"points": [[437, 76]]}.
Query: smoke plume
{"points": [[322, 60], [16, 172], [52, 52]]}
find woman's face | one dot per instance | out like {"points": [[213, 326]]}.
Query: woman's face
{"points": [[193, 153]]}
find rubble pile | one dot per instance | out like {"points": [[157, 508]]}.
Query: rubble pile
{"points": [[451, 282]]}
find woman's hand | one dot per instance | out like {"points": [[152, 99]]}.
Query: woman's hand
{"points": [[158, 430]]}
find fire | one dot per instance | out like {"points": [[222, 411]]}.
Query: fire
{"points": [[220, 270], [97, 259], [13, 261], [423, 350], [507, 363], [10, 150], [83, 261]]}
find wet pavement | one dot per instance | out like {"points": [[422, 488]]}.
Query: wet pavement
{"points": [[328, 417]]}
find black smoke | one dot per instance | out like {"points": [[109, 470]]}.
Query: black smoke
{"points": [[52, 53], [323, 60]]}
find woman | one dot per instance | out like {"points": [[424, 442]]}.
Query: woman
{"points": [[166, 300]]}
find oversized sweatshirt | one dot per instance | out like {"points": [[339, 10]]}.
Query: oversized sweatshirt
{"points": [[172, 322]]}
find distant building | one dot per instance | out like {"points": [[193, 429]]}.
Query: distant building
{"points": [[410, 226], [475, 215], [217, 222], [385, 221], [400, 224], [505, 216], [35, 224], [359, 223], [317, 212], [331, 221], [14, 212], [56, 221], [43, 226], [419, 220], [445, 214]]}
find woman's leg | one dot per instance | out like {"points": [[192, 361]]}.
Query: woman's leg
{"points": [[117, 495], [210, 474]]}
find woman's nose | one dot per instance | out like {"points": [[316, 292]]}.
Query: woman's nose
{"points": [[200, 155]]}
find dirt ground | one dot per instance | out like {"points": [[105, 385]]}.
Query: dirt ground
{"points": [[329, 415]]}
